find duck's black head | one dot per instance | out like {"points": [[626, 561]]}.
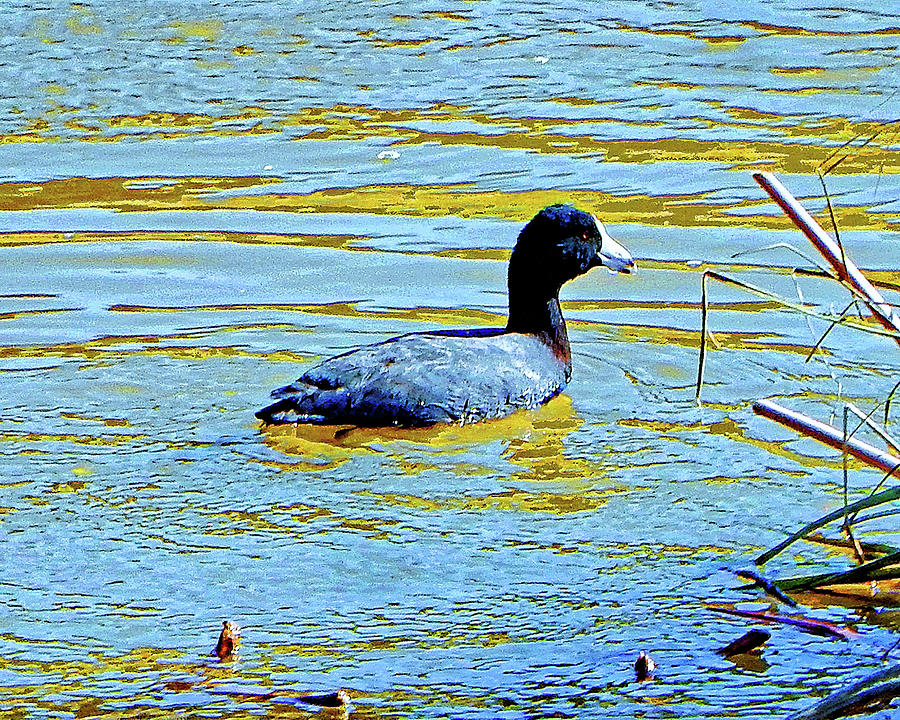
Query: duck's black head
{"points": [[559, 244]]}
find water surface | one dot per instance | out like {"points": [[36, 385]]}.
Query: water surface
{"points": [[200, 199]]}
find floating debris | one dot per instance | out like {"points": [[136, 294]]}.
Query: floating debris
{"points": [[644, 666], [339, 698], [746, 643], [768, 585], [229, 639], [810, 625]]}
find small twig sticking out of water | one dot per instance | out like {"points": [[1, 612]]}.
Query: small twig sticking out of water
{"points": [[889, 651], [842, 147], [831, 327], [747, 643], [768, 585], [844, 455], [837, 234], [857, 549], [866, 419], [704, 312], [887, 403]]}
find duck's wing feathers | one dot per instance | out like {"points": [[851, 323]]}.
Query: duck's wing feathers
{"points": [[424, 378]]}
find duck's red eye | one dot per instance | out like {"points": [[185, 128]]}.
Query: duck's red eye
{"points": [[584, 235]]}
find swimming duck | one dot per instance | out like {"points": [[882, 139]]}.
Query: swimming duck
{"points": [[464, 376]]}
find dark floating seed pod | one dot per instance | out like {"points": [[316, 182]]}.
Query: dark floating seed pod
{"points": [[340, 698], [229, 639], [745, 644], [644, 666]]}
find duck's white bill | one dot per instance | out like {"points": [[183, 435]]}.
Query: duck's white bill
{"points": [[614, 256]]}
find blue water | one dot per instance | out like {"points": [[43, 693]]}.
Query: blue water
{"points": [[512, 569]]}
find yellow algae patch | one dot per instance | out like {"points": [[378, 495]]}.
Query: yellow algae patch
{"points": [[536, 134], [161, 119], [743, 306], [455, 316], [121, 193], [685, 33], [437, 639], [209, 30], [337, 242], [797, 70], [407, 43], [109, 422], [237, 522], [72, 486], [25, 313], [790, 30], [105, 441], [515, 500], [433, 315], [463, 201], [446, 15], [98, 350]]}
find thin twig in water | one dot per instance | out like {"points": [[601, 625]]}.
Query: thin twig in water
{"points": [[837, 234], [887, 403], [704, 312], [841, 159], [812, 261], [831, 327], [866, 419], [848, 322], [844, 455], [768, 585], [890, 473]]}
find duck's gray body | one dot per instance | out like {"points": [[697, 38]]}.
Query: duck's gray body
{"points": [[466, 375], [423, 379]]}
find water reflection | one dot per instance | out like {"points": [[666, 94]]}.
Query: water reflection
{"points": [[196, 202]]}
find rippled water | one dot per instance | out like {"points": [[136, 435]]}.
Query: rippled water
{"points": [[198, 199]]}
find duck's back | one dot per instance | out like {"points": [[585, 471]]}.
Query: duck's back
{"points": [[425, 378]]}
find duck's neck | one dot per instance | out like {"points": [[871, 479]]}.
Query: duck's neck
{"points": [[539, 314]]}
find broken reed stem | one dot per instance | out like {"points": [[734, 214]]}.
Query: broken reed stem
{"points": [[827, 434], [847, 272], [844, 455], [861, 573]]}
